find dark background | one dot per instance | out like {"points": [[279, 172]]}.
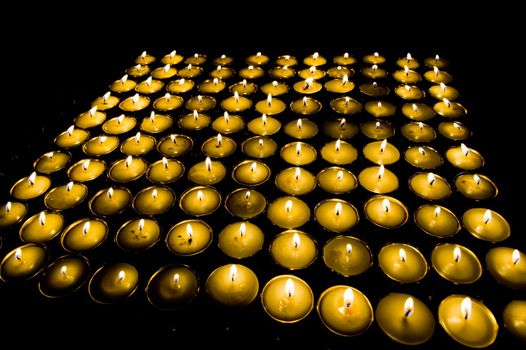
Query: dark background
{"points": [[54, 67]]}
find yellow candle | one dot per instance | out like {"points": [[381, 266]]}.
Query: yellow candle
{"points": [[306, 106], [298, 153], [264, 126], [100, 145], [340, 72], [245, 203], [438, 76], [138, 70], [464, 157], [429, 186], [377, 129], [207, 172], [407, 61], [374, 89], [113, 283], [72, 137], [110, 201], [456, 263], [200, 200], [407, 76], [156, 123], [236, 103], [301, 128], [194, 121], [23, 263], [228, 124], [468, 321], [129, 169], [138, 145], [514, 318], [287, 299], [295, 181], [12, 213], [180, 86], [418, 132], [346, 105], [241, 240], [135, 103], [436, 61], [90, 119], [200, 103], [258, 59], [507, 266], [309, 86], [84, 235], [218, 146], [402, 263], [123, 85], [165, 171], [51, 162], [436, 220], [347, 256], [340, 128], [344, 59], [212, 86], [30, 187], [405, 319], [380, 109], [107, 101], [64, 276], [175, 145], [243, 88], [378, 179], [275, 88], [145, 58], [293, 249], [476, 186], [336, 215], [66, 196], [409, 92], [450, 109], [386, 212], [251, 72], [119, 125], [339, 152], [189, 237], [41, 227], [455, 131], [172, 286], [288, 212], [196, 59], [270, 106], [190, 71], [223, 60], [168, 102], [282, 72], [138, 234], [443, 91], [165, 72], [232, 285], [418, 112], [336, 180], [154, 200], [222, 72], [251, 173], [259, 147], [86, 170], [345, 310], [374, 72], [315, 60], [148, 86], [286, 60], [311, 72], [423, 157], [381, 152]]}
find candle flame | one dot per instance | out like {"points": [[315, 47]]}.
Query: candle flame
{"points": [[167, 96], [406, 70], [383, 145], [189, 230], [258, 54], [446, 102], [154, 193], [381, 171], [199, 98], [223, 57], [226, 116], [339, 175], [269, 99], [49, 155], [374, 67], [247, 195], [64, 270], [109, 193], [8, 207], [196, 55], [422, 151], [195, 115], [297, 173], [176, 278], [120, 118], [275, 84], [515, 256], [92, 111], [407, 87], [128, 161], [42, 218], [106, 96], [288, 206], [437, 211], [166, 68], [299, 124], [312, 69], [138, 66], [348, 297], [457, 254], [477, 179], [253, 167], [122, 275], [138, 137], [409, 307], [103, 138], [70, 130], [376, 54], [436, 70], [85, 164], [242, 229], [250, 67], [289, 287], [347, 100], [152, 117], [173, 137], [375, 84], [420, 125], [141, 224], [69, 186], [86, 227], [236, 96], [402, 254], [148, 82], [173, 53], [348, 248], [244, 83], [143, 54], [386, 204], [379, 104], [298, 148], [296, 240], [181, 81], [346, 55], [215, 81], [487, 216], [437, 57], [338, 208], [264, 119], [218, 68], [165, 162], [18, 254], [337, 145], [431, 178], [415, 107], [464, 149], [31, 178], [315, 55], [233, 272], [124, 78], [308, 83], [260, 142], [219, 140], [465, 307], [200, 195], [443, 87]]}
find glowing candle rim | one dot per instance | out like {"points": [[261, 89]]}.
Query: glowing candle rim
{"points": [[163, 269], [59, 260], [250, 161], [300, 233], [465, 252], [354, 239], [442, 209]]}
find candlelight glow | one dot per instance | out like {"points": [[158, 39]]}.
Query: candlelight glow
{"points": [[154, 193], [383, 145], [242, 229], [208, 164], [244, 82], [337, 145], [374, 67], [236, 96], [348, 248], [70, 130], [269, 99], [381, 171], [487, 216], [339, 175], [166, 68], [407, 87], [338, 208], [199, 98], [260, 142], [64, 270], [342, 123], [378, 125], [226, 116], [402, 254], [109, 193], [215, 81], [298, 148], [200, 195], [233, 272], [376, 54], [264, 119], [138, 137], [464, 149], [189, 230], [443, 87], [515, 256], [18, 254], [106, 96], [31, 178], [297, 173], [247, 195], [49, 155], [408, 57], [299, 124], [173, 53], [422, 151], [409, 307], [476, 178], [346, 55], [457, 125], [152, 116], [345, 79], [167, 96], [457, 254], [92, 111], [289, 287], [124, 78], [165, 162], [86, 227], [296, 240], [176, 278], [85, 164], [173, 137], [253, 167], [128, 161], [181, 81], [379, 104], [431, 178], [275, 83], [141, 224], [219, 140], [465, 307], [312, 69], [347, 100], [69, 186], [8, 207], [308, 83], [288, 206], [122, 275], [437, 211], [420, 125], [42, 218], [386, 204], [218, 68], [304, 101], [348, 297]]}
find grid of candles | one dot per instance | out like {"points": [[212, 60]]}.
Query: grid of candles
{"points": [[154, 116]]}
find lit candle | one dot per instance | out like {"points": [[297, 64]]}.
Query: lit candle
{"points": [[30, 187], [106, 101], [311, 72], [251, 173], [86, 170], [339, 152], [138, 235], [464, 157], [374, 72], [100, 145], [138, 145], [245, 203], [514, 316], [486, 224], [90, 119], [336, 180], [374, 89], [436, 220], [374, 58], [275, 88], [301, 128], [476, 186], [380, 109], [243, 88], [110, 201], [408, 61], [258, 59], [84, 235], [308, 86], [51, 162], [287, 299], [180, 86], [145, 58], [64, 276], [72, 137], [407, 75], [66, 196], [228, 124], [191, 70], [306, 106], [418, 112], [200, 103], [381, 152], [386, 212], [189, 237], [223, 60], [223, 72], [345, 59], [377, 129], [148, 86], [200, 200], [207, 172], [436, 61], [241, 239], [113, 283], [429, 186], [295, 181], [156, 123], [119, 125], [340, 71], [232, 285], [409, 92], [251, 72], [288, 212], [23, 263], [165, 171], [168, 102], [194, 121], [196, 59], [293, 249], [213, 86], [218, 146], [378, 179], [165, 72], [12, 213], [236, 103], [418, 132], [286, 60], [123, 85], [270, 106], [423, 157], [455, 131], [154, 200], [264, 125], [172, 286], [450, 109], [346, 105], [438, 76], [347, 256], [336, 215], [456, 263], [175, 145], [41, 227], [259, 147], [507, 266], [138, 70], [402, 263], [128, 169], [298, 153], [172, 58]]}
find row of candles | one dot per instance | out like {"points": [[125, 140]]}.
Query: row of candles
{"points": [[286, 298]]}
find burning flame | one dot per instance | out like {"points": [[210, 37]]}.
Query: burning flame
{"points": [[226, 116], [109, 193], [92, 111], [476, 178], [64, 270], [264, 119], [138, 137], [122, 275], [443, 87], [120, 118], [154, 193], [288, 206], [289, 287], [106, 96], [141, 224], [339, 175], [348, 248], [338, 208], [189, 230], [31, 178], [233, 272], [124, 78], [422, 151], [18, 254], [219, 140], [409, 307], [242, 229], [86, 227], [386, 204], [85, 164], [269, 99], [431, 178], [148, 82], [465, 307], [298, 148], [296, 240], [299, 124], [253, 167], [69, 186], [383, 145], [446, 102], [42, 218], [8, 207], [337, 145], [515, 256], [297, 173], [464, 149], [457, 254], [236, 96], [437, 211], [165, 162], [176, 278], [402, 254], [381, 171], [348, 297], [247, 195], [70, 130], [200, 195], [487, 216], [166, 68], [128, 161], [436, 70]]}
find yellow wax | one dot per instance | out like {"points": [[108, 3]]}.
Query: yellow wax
{"points": [[315, 60], [454, 131], [466, 159], [336, 180], [475, 186], [172, 286], [442, 91], [270, 107], [175, 145], [100, 145], [138, 235], [218, 147], [165, 72], [228, 124], [245, 203], [149, 86], [23, 263], [514, 316], [408, 76], [275, 88], [436, 220], [156, 123], [264, 126], [418, 132], [336, 215], [257, 59], [282, 72], [145, 58], [380, 109], [251, 72], [190, 71], [200, 200], [293, 249], [119, 125], [41, 227], [64, 276], [200, 103], [298, 153], [414, 329], [259, 147], [71, 139], [180, 86], [241, 240], [51, 162], [12, 213], [423, 157], [288, 212], [386, 212], [436, 61], [429, 186], [305, 106], [418, 111], [86, 170], [84, 235], [408, 62], [347, 256], [295, 181], [223, 60], [212, 86], [196, 59], [339, 152], [189, 237], [437, 76], [123, 85], [402, 263], [138, 145], [194, 121], [154, 200], [113, 283], [380, 153], [29, 188], [346, 105], [340, 72], [90, 119], [135, 103], [340, 128], [301, 128], [377, 129], [243, 88], [378, 179], [110, 201], [306, 87], [165, 171], [340, 316], [463, 268], [251, 173], [480, 328], [450, 109], [105, 102], [507, 266], [409, 92], [168, 103], [344, 59], [129, 169], [233, 104], [66, 196], [311, 72], [287, 299], [374, 72], [231, 287], [138, 70], [207, 172], [286, 60], [374, 89]]}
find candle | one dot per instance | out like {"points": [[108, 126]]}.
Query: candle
{"points": [[243, 88], [386, 212], [200, 103], [409, 92], [175, 145], [223, 60], [306, 106], [12, 213], [119, 125], [228, 124], [295, 181], [138, 145], [347, 256], [207, 172], [340, 86], [123, 85], [107, 101], [340, 72], [172, 286], [100, 145], [464, 157], [196, 59], [165, 171], [86, 170], [189, 237], [381, 152], [377, 129], [407, 75], [51, 162], [286, 60], [467, 321], [180, 86], [437, 220], [145, 58], [298, 153], [438, 76], [456, 263], [223, 72], [282, 72], [258, 59], [374, 58], [345, 310], [418, 132], [138, 70], [287, 299], [402, 263], [194, 121], [436, 61], [340, 128], [218, 146], [486, 224], [374, 72], [346, 105], [374, 89], [23, 263], [514, 319], [190, 71], [407, 61], [110, 201], [288, 212], [168, 102], [270, 106], [455, 131], [64, 276], [153, 200], [251, 72], [156, 123], [41, 227], [419, 112], [126, 170], [241, 240], [84, 235], [315, 60], [476, 186], [344, 59], [200, 200], [442, 91], [90, 119], [301, 128], [138, 235], [30, 187], [405, 319], [251, 173], [245, 203], [148, 86], [264, 126], [423, 157], [507, 266], [380, 109], [336, 215], [336, 180], [113, 283], [378, 179], [450, 109], [275, 88], [72, 137], [429, 186], [232, 285], [165, 72], [311, 72], [236, 103], [66, 196], [259, 147], [212, 86], [309, 86], [293, 249], [339, 152]]}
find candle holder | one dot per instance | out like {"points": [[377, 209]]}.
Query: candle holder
{"points": [[113, 283], [189, 237], [172, 287], [64, 276], [245, 203], [137, 235], [456, 263], [293, 249], [52, 162], [346, 255], [23, 263]]}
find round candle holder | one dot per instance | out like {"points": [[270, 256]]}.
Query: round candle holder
{"points": [[347, 256], [64, 276], [172, 287], [113, 283]]}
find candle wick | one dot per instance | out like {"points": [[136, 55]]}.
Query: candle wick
{"points": [[408, 312]]}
